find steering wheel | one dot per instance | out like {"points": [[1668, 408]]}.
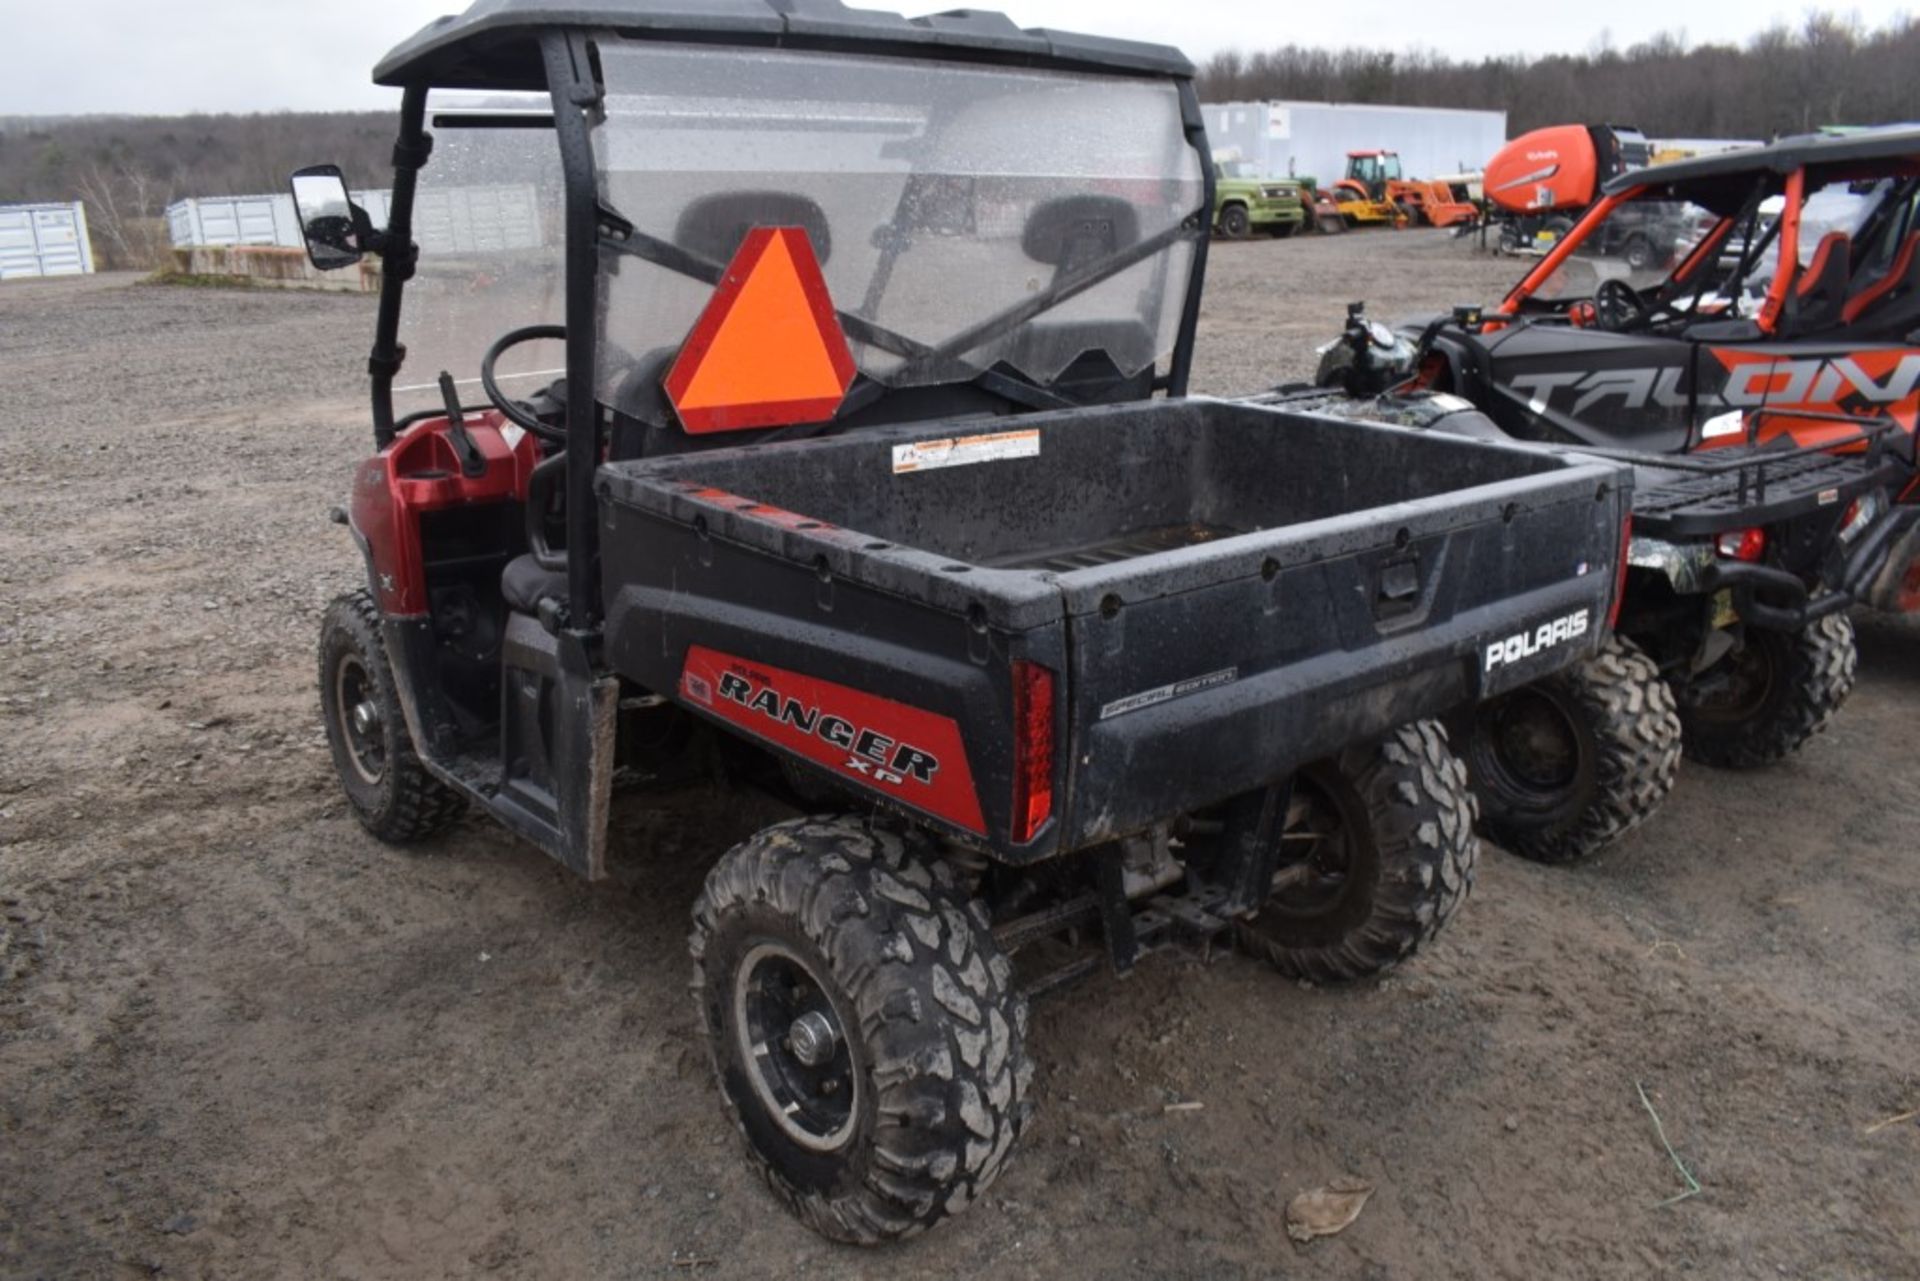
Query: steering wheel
{"points": [[515, 410], [1619, 307]]}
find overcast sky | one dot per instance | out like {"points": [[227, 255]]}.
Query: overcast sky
{"points": [[138, 56]]}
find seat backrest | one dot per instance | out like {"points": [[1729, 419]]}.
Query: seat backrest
{"points": [[1821, 290], [1901, 276], [1070, 233], [713, 226]]}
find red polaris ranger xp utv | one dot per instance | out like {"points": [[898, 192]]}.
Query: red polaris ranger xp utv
{"points": [[865, 472], [1770, 414]]}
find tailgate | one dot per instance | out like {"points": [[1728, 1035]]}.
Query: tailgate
{"points": [[1200, 673]]}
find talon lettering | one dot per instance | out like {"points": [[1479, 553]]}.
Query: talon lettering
{"points": [[1866, 384], [1514, 649]]}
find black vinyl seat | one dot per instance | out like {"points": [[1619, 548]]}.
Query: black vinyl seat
{"points": [[525, 583]]}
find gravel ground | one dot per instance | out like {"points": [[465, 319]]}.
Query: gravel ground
{"points": [[238, 1038]]}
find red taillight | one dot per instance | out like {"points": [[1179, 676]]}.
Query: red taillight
{"points": [[1742, 544], [1032, 750], [1909, 600], [1620, 573]]}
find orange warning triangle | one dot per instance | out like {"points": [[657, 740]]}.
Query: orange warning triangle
{"points": [[767, 350]]}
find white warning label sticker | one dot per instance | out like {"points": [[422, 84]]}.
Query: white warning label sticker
{"points": [[963, 451]]}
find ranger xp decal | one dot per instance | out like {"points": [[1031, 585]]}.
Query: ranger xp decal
{"points": [[911, 755], [1561, 631]]}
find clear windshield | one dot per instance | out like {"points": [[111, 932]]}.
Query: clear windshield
{"points": [[937, 195], [1640, 242], [487, 216]]}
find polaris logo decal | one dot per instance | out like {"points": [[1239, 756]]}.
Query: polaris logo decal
{"points": [[1524, 645], [901, 751]]}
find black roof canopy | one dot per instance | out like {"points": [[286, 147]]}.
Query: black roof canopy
{"points": [[1725, 179], [491, 45]]}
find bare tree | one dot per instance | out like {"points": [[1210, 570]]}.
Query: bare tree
{"points": [[1830, 69], [126, 206]]}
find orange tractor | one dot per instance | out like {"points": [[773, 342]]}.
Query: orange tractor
{"points": [[1375, 191]]}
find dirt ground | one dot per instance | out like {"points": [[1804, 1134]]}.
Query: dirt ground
{"points": [[240, 1039]]}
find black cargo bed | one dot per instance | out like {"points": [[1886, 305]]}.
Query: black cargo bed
{"points": [[1223, 590]]}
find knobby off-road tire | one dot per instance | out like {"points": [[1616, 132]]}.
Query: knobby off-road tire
{"points": [[1401, 865], [1787, 687], [838, 920], [390, 791], [1570, 764]]}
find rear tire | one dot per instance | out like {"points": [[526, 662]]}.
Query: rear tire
{"points": [[1235, 223], [1570, 764], [391, 792], [1394, 861], [860, 929], [1783, 688]]}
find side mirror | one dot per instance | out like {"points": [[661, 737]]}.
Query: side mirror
{"points": [[329, 222]]}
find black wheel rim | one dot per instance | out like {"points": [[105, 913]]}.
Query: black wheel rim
{"points": [[1325, 839], [793, 1045], [357, 713], [1533, 752], [1746, 688]]}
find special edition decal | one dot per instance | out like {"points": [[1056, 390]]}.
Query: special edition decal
{"points": [[907, 753], [1167, 693]]}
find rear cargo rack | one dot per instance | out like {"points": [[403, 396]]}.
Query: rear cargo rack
{"points": [[1753, 484]]}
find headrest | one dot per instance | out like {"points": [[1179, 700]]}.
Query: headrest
{"points": [[713, 226]]}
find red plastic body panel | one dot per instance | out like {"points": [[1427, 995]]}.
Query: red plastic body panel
{"points": [[1870, 385], [419, 473], [909, 755], [1552, 168]]}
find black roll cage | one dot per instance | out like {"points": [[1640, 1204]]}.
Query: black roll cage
{"points": [[572, 82]]}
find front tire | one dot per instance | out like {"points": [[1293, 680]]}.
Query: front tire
{"points": [[1235, 223], [1386, 830], [391, 792], [864, 1028], [1570, 764], [1771, 695], [1639, 253]]}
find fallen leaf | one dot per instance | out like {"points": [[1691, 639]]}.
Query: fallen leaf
{"points": [[1325, 1211]]}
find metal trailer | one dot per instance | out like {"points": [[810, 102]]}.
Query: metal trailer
{"points": [[1312, 139], [44, 240], [458, 220]]}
